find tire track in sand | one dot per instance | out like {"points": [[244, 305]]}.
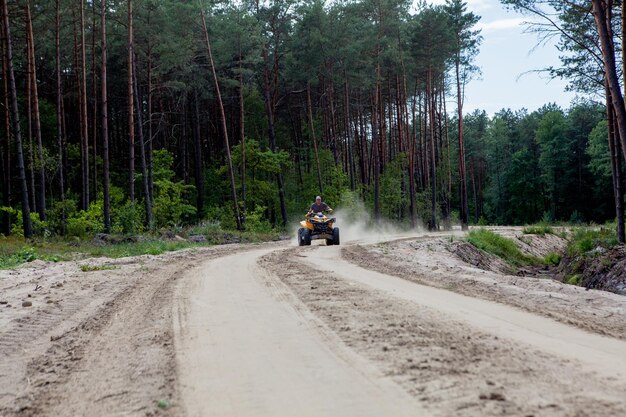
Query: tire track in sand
{"points": [[244, 351]]}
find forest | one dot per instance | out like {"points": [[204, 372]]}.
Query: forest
{"points": [[141, 115]]}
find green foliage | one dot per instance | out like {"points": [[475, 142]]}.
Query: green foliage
{"points": [[163, 404], [40, 228], [547, 218], [22, 255], [520, 164], [585, 240], [553, 144], [575, 279], [170, 207], [393, 201], [262, 166], [147, 247], [129, 218], [576, 218], [26, 254], [86, 223], [552, 259], [500, 246], [433, 39], [598, 151], [256, 220], [538, 229], [536, 163], [216, 235]]}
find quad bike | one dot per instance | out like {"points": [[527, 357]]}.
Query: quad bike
{"points": [[318, 226]]}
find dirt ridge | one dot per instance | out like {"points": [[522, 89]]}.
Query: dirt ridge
{"points": [[431, 263]]}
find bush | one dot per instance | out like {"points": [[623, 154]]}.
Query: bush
{"points": [[59, 209], [170, 208], [256, 221], [86, 223], [40, 228], [130, 218]]}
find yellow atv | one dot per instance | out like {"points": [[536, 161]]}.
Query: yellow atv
{"points": [[318, 226]]}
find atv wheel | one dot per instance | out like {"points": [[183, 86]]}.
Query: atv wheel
{"points": [[301, 237], [329, 242], [306, 237], [336, 240]]}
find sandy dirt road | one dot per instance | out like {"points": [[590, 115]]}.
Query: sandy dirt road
{"points": [[460, 356], [244, 350], [273, 330]]}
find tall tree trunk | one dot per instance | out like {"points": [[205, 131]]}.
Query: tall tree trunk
{"points": [[142, 150], [6, 218], [150, 127], [59, 110], [376, 140], [411, 149], [40, 196], [83, 105], [446, 133], [474, 195], [349, 143], [269, 110], [231, 172], [94, 81], [464, 212], [242, 138], [623, 39], [616, 168], [433, 153], [602, 15], [105, 119], [15, 119], [198, 165], [29, 126], [131, 106], [313, 138]]}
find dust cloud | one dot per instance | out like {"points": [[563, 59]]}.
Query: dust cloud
{"points": [[357, 225]]}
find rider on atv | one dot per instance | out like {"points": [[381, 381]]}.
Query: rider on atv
{"points": [[319, 207], [318, 226]]}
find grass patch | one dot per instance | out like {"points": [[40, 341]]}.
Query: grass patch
{"points": [[15, 251], [148, 247], [91, 268], [538, 229], [585, 240], [574, 280], [501, 247], [552, 259]]}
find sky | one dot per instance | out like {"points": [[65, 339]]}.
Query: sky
{"points": [[508, 59]]}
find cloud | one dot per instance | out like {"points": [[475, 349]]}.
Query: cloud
{"points": [[501, 24]]}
